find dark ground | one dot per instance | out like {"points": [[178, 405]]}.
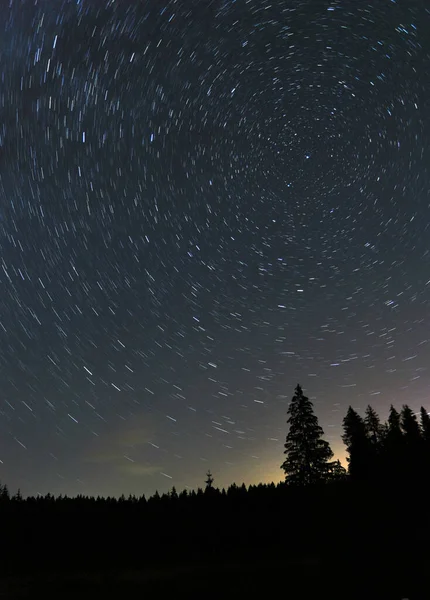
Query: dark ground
{"points": [[342, 542], [310, 578]]}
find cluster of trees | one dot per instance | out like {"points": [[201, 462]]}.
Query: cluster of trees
{"points": [[308, 459], [233, 493], [321, 512], [398, 450]]}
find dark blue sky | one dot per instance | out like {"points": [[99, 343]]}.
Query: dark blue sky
{"points": [[202, 204]]}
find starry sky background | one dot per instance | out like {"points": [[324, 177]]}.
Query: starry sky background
{"points": [[203, 203]]}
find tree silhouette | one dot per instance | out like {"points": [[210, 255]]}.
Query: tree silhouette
{"points": [[209, 480], [394, 430], [308, 455], [409, 424], [4, 493], [357, 445], [337, 472], [425, 434], [374, 429], [18, 496], [412, 451], [375, 433], [425, 425]]}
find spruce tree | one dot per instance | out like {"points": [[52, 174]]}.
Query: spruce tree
{"points": [[393, 447], [375, 435], [409, 423], [394, 431], [413, 444], [374, 429], [425, 425], [209, 480], [357, 445], [308, 455], [4, 493], [337, 472], [425, 434]]}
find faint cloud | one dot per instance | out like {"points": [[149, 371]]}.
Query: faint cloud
{"points": [[139, 470], [122, 448]]}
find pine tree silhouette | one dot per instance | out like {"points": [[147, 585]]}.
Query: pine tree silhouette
{"points": [[18, 496], [413, 444], [425, 425], [393, 447], [4, 493], [357, 445], [308, 455], [337, 472], [425, 434], [209, 480], [375, 434], [409, 424], [374, 429]]}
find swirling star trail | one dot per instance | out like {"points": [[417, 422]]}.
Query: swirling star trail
{"points": [[202, 204]]}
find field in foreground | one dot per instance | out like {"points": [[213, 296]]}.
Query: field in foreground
{"points": [[346, 542], [311, 578]]}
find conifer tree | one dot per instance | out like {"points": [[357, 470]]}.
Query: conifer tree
{"points": [[18, 496], [413, 444], [393, 447], [375, 435], [4, 493], [209, 480], [409, 424], [337, 471], [425, 434], [373, 426], [425, 425], [308, 455], [394, 431], [357, 445]]}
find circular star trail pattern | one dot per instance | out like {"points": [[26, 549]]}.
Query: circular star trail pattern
{"points": [[203, 203]]}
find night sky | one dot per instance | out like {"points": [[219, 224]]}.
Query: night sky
{"points": [[202, 204]]}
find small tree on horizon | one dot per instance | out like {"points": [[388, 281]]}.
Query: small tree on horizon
{"points": [[308, 455], [209, 489], [337, 471]]}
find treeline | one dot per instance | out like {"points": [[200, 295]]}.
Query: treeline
{"points": [[233, 492], [321, 512], [397, 450]]}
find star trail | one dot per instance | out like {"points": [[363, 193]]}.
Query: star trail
{"points": [[203, 203]]}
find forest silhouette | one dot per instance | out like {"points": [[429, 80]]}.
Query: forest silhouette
{"points": [[347, 532]]}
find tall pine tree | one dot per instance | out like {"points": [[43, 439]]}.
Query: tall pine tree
{"points": [[425, 434], [393, 447], [425, 425], [374, 429], [409, 424], [357, 445], [375, 435], [308, 455], [413, 444], [337, 472]]}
